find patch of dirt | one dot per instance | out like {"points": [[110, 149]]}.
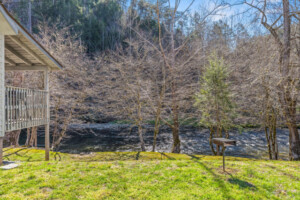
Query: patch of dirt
{"points": [[228, 170], [83, 155], [281, 192], [283, 172], [291, 176], [46, 189]]}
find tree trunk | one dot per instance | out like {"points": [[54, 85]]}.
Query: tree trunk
{"points": [[175, 130], [140, 131], [13, 137], [211, 133], [219, 130], [156, 126], [156, 131], [274, 137], [31, 140], [33, 137], [17, 137], [176, 140], [289, 103], [154, 142], [294, 142], [268, 142], [220, 135], [175, 112], [289, 107], [218, 146], [140, 119], [28, 137]]}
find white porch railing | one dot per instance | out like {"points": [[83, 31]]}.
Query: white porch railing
{"points": [[24, 108]]}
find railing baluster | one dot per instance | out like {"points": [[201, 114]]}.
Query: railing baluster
{"points": [[31, 108], [26, 107], [6, 113], [14, 108], [9, 107], [17, 108], [22, 101]]}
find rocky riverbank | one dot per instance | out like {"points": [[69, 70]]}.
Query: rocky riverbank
{"points": [[115, 137]]}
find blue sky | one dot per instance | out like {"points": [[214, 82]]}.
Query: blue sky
{"points": [[231, 14], [223, 11]]}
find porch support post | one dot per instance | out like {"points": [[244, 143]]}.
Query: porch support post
{"points": [[47, 126], [2, 95]]}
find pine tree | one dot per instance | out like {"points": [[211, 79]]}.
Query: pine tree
{"points": [[214, 100]]}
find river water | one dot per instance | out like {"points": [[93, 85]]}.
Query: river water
{"points": [[115, 137]]}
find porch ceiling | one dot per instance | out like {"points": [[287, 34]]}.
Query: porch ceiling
{"points": [[22, 54]]}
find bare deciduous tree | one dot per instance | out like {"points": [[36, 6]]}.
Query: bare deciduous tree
{"points": [[287, 87], [127, 77]]}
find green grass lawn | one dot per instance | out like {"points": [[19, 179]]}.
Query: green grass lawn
{"points": [[146, 176]]}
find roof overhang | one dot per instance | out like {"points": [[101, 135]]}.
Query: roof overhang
{"points": [[7, 25], [22, 50]]}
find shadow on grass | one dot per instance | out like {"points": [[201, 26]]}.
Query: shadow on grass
{"points": [[241, 184], [195, 157], [23, 155], [167, 156], [137, 157], [220, 182]]}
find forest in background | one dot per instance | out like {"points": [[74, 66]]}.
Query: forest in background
{"points": [[143, 62]]}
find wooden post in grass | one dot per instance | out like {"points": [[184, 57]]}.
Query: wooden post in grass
{"points": [[1, 151], [47, 126], [224, 143], [2, 95], [224, 159]]}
